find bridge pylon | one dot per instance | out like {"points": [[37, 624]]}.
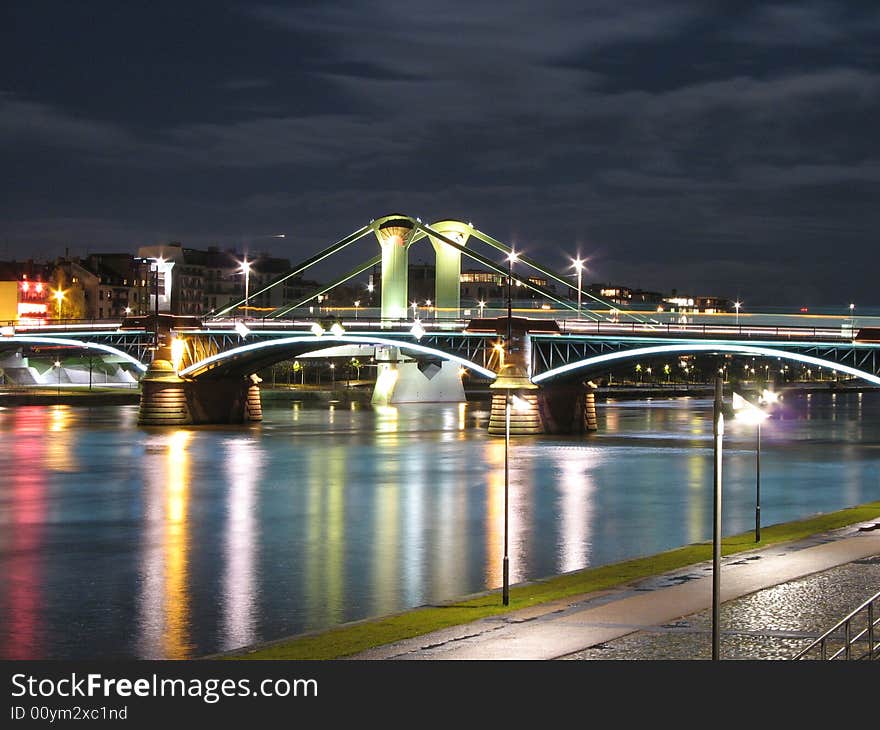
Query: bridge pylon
{"points": [[447, 282], [395, 234]]}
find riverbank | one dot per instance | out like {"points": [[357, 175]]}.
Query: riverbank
{"points": [[20, 396], [356, 637]]}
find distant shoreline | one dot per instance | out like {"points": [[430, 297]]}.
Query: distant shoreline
{"points": [[363, 393]]}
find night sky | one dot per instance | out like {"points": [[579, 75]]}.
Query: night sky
{"points": [[714, 148]]}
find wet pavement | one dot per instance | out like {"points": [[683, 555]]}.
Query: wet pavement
{"points": [[773, 623], [775, 601]]}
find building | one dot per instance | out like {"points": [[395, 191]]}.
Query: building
{"points": [[25, 292]]}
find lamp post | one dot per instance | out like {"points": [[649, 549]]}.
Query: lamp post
{"points": [[579, 266], [357, 304], [481, 304], [852, 320], [59, 298], [718, 433], [511, 257], [736, 305], [246, 270], [750, 413]]}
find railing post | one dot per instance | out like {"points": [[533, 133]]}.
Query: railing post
{"points": [[848, 639], [871, 630]]}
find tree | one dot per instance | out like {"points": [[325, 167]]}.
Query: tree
{"points": [[73, 301]]}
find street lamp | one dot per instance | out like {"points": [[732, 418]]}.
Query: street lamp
{"points": [[718, 434], [852, 320], [246, 270], [579, 266], [59, 297], [511, 258], [510, 401], [736, 305], [481, 304], [749, 413], [357, 304]]}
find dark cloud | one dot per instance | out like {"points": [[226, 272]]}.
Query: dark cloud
{"points": [[648, 135]]}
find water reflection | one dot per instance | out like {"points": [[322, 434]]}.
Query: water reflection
{"points": [[576, 488], [243, 466], [23, 507], [195, 541], [165, 591]]}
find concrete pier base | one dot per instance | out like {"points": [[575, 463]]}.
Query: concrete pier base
{"points": [[168, 400], [415, 381], [163, 397], [568, 408]]}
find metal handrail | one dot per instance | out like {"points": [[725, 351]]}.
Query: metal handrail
{"points": [[870, 633]]}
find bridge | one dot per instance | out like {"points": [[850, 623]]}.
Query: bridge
{"points": [[206, 372]]}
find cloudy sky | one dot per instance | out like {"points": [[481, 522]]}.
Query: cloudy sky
{"points": [[715, 148]]}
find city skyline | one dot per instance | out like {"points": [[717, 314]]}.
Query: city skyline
{"points": [[675, 146]]}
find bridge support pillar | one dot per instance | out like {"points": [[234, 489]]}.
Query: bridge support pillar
{"points": [[164, 399], [415, 381], [525, 415], [168, 400], [568, 408]]}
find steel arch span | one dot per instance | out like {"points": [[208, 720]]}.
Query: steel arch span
{"points": [[247, 359], [713, 348], [18, 340]]}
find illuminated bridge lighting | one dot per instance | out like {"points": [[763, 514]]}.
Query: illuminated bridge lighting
{"points": [[345, 339], [716, 347], [78, 344]]}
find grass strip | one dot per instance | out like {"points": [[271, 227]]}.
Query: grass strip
{"points": [[355, 637]]}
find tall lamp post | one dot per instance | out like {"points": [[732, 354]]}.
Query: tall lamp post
{"points": [[736, 305], [718, 433], [579, 266], [246, 270], [750, 413], [511, 258], [59, 298]]}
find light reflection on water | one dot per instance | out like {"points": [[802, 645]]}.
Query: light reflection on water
{"points": [[181, 542]]}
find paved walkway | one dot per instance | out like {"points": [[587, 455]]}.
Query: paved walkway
{"points": [[578, 626]]}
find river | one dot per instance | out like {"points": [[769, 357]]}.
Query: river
{"points": [[118, 541]]}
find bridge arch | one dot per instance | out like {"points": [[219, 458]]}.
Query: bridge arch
{"points": [[17, 340], [691, 347], [249, 358]]}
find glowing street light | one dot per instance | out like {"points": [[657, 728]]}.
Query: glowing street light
{"points": [[481, 304], [736, 305], [246, 270], [511, 258], [59, 298], [578, 264], [852, 320], [357, 304], [749, 413], [510, 401]]}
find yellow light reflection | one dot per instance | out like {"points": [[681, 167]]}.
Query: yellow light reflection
{"points": [[386, 419], [495, 514], [176, 608], [462, 413], [59, 455], [325, 536], [164, 603]]}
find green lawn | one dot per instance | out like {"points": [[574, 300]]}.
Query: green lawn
{"points": [[355, 637]]}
